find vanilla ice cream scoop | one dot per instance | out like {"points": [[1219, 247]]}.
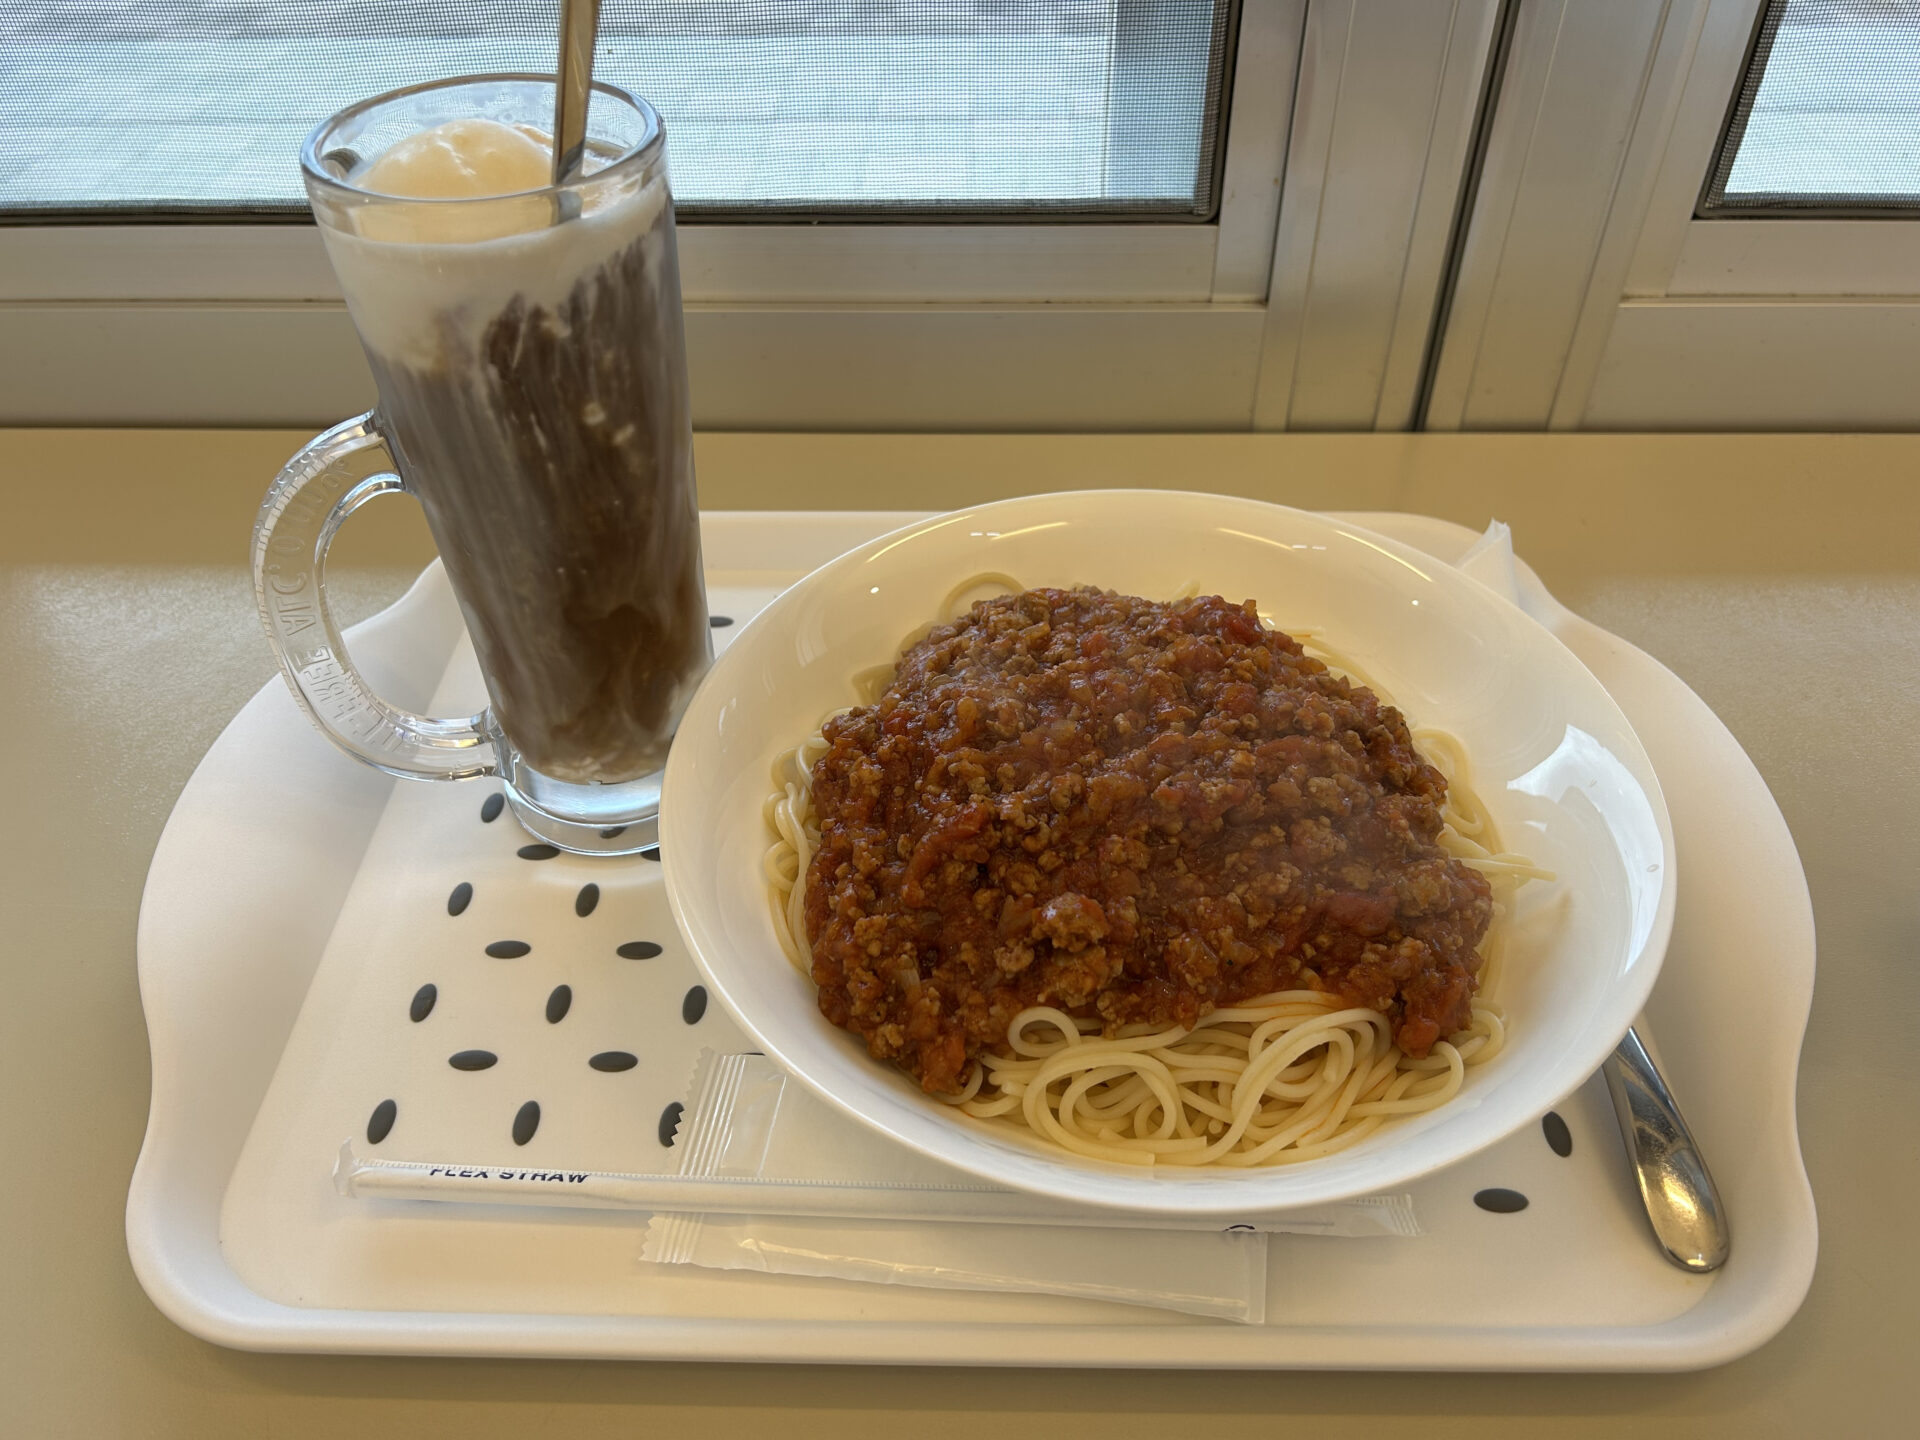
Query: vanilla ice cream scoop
{"points": [[466, 159]]}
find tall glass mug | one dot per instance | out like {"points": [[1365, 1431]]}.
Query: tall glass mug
{"points": [[530, 363]]}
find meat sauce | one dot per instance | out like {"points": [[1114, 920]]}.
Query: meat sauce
{"points": [[1130, 810]]}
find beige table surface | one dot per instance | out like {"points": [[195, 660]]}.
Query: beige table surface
{"points": [[1779, 575]]}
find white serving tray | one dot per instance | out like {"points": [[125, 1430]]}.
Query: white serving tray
{"points": [[243, 1240]]}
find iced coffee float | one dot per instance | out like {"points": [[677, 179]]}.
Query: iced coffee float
{"points": [[526, 343]]}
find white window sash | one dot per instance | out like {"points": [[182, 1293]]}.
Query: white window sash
{"points": [[1590, 296], [1340, 189]]}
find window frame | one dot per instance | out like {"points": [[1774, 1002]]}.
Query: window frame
{"points": [[1307, 303], [1683, 252], [773, 258], [1591, 295]]}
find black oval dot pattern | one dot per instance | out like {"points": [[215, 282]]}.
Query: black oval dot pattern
{"points": [[491, 807], [1559, 1138], [613, 832], [719, 622], [525, 1122], [1502, 1201], [380, 1122]]}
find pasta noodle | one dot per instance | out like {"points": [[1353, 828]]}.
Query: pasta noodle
{"points": [[1281, 1078]]}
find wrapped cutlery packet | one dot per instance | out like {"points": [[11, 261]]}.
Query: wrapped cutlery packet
{"points": [[912, 1221], [776, 1181]]}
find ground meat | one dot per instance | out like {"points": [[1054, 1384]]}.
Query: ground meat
{"points": [[1132, 810]]}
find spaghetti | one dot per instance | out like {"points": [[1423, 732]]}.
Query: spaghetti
{"points": [[1276, 1078]]}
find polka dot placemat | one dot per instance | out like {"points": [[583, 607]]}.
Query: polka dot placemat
{"points": [[485, 998]]}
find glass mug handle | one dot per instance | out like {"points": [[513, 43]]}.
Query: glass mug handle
{"points": [[332, 476]]}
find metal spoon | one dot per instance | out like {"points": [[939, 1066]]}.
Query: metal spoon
{"points": [[579, 29], [1682, 1203]]}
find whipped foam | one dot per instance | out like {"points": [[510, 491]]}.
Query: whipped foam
{"points": [[422, 280]]}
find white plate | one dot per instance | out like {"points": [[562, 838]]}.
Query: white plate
{"points": [[1554, 759]]}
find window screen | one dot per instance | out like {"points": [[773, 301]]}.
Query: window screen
{"points": [[908, 107], [1827, 118]]}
